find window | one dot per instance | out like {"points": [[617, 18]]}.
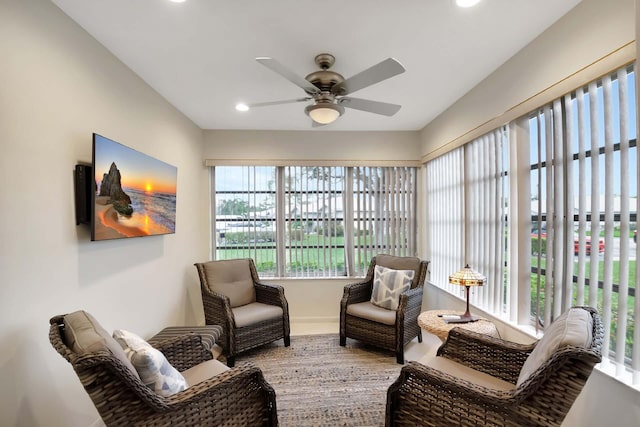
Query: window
{"points": [[584, 202], [467, 199], [244, 215], [313, 221], [555, 225]]}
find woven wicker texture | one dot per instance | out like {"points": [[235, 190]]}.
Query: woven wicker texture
{"points": [[430, 322], [393, 337], [427, 397], [217, 311], [168, 341], [238, 397]]}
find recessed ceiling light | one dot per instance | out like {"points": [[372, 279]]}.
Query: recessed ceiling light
{"points": [[242, 107], [467, 3], [178, 1]]}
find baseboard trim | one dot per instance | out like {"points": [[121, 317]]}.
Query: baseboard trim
{"points": [[318, 319]]}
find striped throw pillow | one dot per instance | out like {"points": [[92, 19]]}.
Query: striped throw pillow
{"points": [[388, 284]]}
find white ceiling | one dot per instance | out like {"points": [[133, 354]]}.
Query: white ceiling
{"points": [[200, 55]]}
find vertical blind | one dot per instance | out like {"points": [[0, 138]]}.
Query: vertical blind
{"points": [[467, 204], [445, 216], [486, 197], [577, 159], [243, 215], [313, 215], [383, 213], [586, 255], [313, 221]]}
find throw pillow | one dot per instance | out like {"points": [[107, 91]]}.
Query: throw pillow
{"points": [[388, 284], [154, 369]]}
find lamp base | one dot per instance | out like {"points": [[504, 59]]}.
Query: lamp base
{"points": [[462, 319]]}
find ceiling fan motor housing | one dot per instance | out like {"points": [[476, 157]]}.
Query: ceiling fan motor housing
{"points": [[324, 79]]}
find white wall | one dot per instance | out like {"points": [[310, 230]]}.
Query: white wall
{"points": [[593, 29], [311, 145], [57, 86], [313, 300]]}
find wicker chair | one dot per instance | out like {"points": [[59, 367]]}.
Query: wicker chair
{"points": [[232, 397], [363, 321], [251, 313], [483, 381]]}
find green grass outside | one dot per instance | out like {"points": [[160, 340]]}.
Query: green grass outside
{"points": [[304, 258], [614, 302]]}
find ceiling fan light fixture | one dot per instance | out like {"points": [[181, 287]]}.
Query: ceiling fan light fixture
{"points": [[324, 113], [242, 107], [467, 3]]}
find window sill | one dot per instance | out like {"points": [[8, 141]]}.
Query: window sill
{"points": [[619, 373]]}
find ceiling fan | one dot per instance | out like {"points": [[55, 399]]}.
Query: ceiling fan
{"points": [[328, 89]]}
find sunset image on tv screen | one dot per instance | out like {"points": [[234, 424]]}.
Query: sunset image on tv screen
{"points": [[135, 194]]}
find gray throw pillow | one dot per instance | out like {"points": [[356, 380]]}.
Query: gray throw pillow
{"points": [[388, 284]]}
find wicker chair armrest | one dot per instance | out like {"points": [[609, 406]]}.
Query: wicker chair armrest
{"points": [[493, 356], [88, 364], [411, 298], [269, 293], [419, 387], [357, 292], [243, 386], [217, 309], [232, 384], [183, 351], [235, 380], [220, 299], [410, 305]]}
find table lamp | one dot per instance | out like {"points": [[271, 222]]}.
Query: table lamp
{"points": [[467, 277]]}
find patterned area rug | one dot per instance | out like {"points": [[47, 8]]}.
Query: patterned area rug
{"points": [[319, 383]]}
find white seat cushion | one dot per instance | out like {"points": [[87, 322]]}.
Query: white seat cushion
{"points": [[369, 311], [572, 328], [203, 371], [466, 373], [250, 314]]}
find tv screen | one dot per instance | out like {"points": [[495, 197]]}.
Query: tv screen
{"points": [[134, 194]]}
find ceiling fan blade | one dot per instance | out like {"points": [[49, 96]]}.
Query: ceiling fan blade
{"points": [[287, 101], [274, 65], [376, 107], [386, 69]]}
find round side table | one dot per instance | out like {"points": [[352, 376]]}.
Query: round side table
{"points": [[430, 322]]}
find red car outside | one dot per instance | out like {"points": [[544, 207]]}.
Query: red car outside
{"points": [[576, 245], [576, 242]]}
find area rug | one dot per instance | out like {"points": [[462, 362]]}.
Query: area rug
{"points": [[319, 383]]}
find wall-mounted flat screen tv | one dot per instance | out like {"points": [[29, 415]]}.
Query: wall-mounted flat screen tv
{"points": [[134, 194]]}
